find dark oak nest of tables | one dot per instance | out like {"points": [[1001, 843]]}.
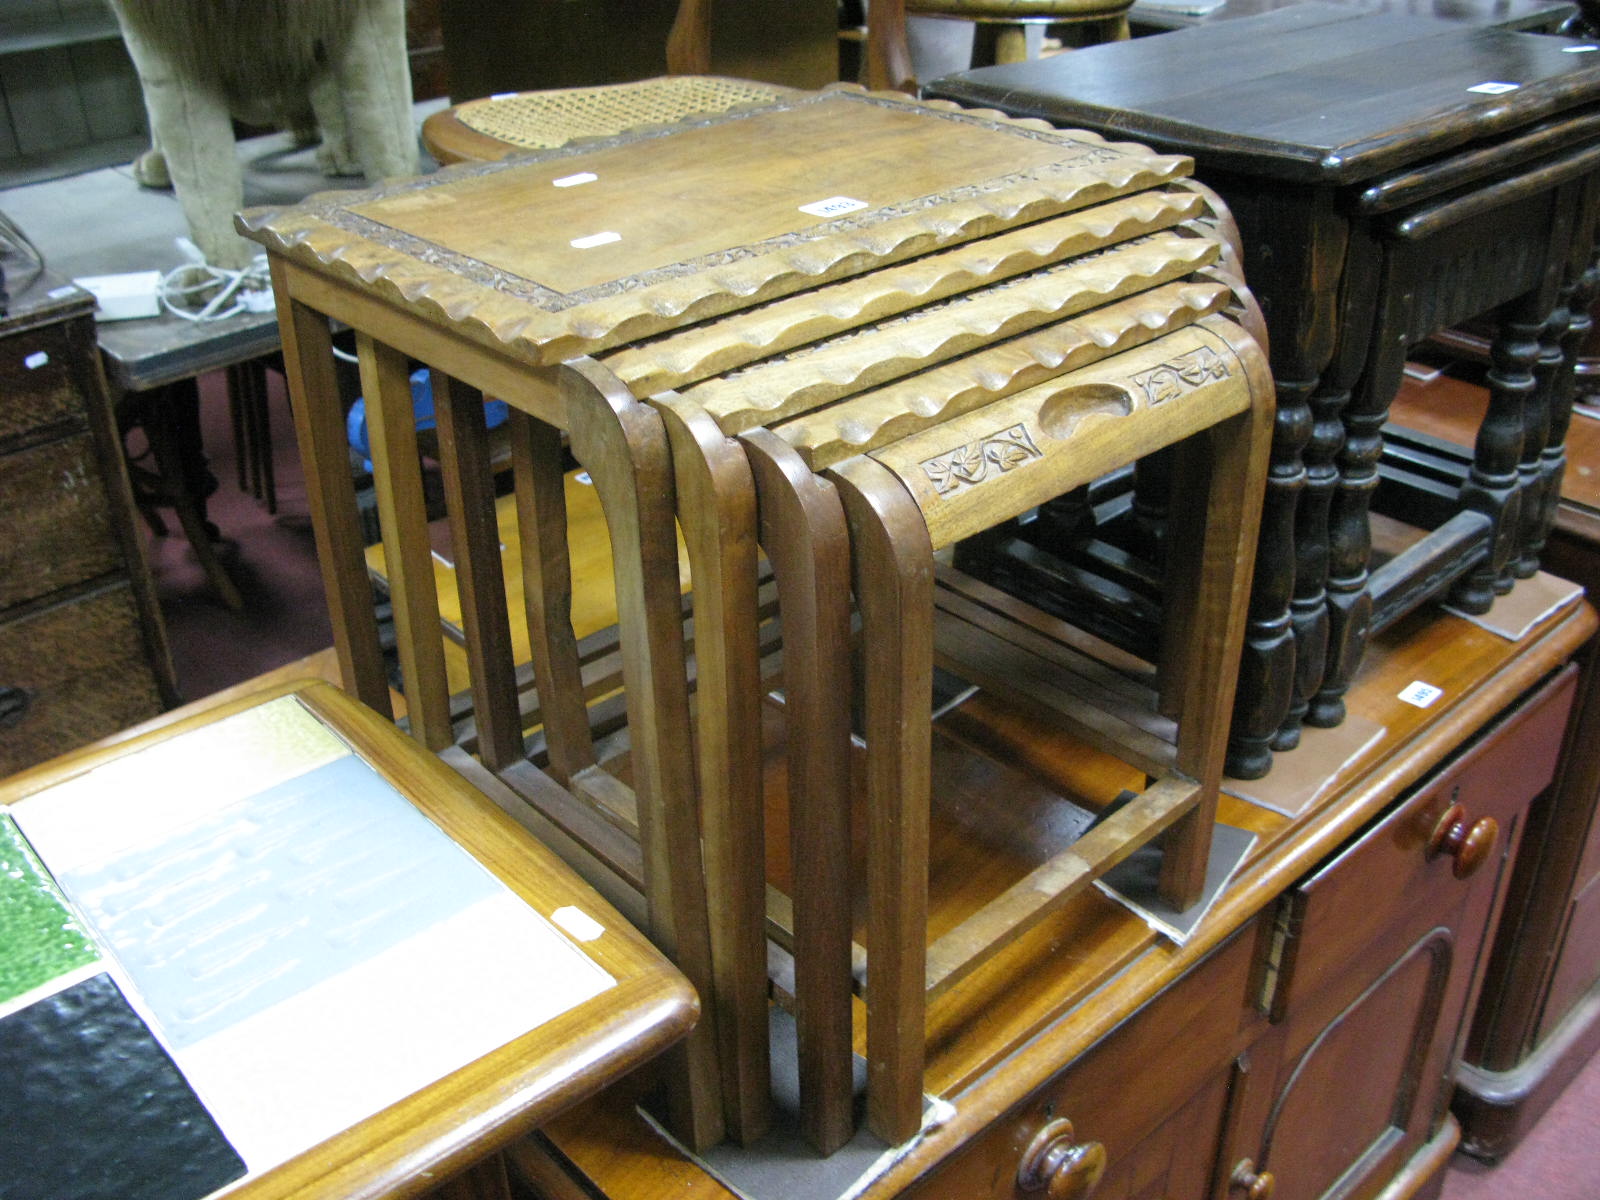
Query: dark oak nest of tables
{"points": [[1391, 176]]}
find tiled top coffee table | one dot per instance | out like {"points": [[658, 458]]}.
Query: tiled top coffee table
{"points": [[279, 948]]}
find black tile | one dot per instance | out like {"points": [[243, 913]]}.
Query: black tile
{"points": [[92, 1108]]}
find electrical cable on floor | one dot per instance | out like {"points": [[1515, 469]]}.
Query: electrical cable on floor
{"points": [[218, 291]]}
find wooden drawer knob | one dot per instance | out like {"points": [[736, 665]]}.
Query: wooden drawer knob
{"points": [[1256, 1185], [1059, 1166], [1469, 844], [14, 704]]}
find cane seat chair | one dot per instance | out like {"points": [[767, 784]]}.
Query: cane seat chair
{"points": [[495, 126]]}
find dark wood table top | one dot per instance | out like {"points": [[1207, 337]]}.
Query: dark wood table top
{"points": [[1316, 93], [1159, 15]]}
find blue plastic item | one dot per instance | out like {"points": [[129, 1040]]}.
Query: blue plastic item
{"points": [[495, 413]]}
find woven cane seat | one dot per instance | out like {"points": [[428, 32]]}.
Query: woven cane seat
{"points": [[493, 127]]}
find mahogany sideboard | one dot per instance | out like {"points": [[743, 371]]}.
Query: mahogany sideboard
{"points": [[1306, 1031], [1539, 1017], [83, 652]]}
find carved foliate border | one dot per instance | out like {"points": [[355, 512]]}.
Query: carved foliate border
{"points": [[323, 232]]}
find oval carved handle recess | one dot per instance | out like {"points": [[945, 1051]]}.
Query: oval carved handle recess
{"points": [[1468, 843], [1255, 1185], [14, 704], [1058, 1165]]}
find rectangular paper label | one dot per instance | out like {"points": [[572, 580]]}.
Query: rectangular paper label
{"points": [[595, 239], [1421, 694], [574, 180], [833, 206]]}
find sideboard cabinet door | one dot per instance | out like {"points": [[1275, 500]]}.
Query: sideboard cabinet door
{"points": [[1378, 956]]}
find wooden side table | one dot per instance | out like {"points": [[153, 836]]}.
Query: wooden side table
{"points": [[277, 948], [1390, 176]]}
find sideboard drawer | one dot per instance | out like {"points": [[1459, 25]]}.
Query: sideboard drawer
{"points": [[57, 530], [70, 673], [1119, 1107], [1384, 882], [38, 388]]}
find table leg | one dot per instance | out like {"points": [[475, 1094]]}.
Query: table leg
{"points": [[717, 512], [892, 568], [1551, 364], [1266, 667], [803, 530], [330, 493], [1492, 486], [622, 443]]}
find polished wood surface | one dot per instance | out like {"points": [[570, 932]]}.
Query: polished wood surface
{"points": [[784, 145], [1143, 1106], [409, 1147], [1238, 119]]}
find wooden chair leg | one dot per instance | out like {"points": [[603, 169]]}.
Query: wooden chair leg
{"points": [[622, 444], [403, 518], [892, 566], [802, 527], [717, 512], [330, 492]]}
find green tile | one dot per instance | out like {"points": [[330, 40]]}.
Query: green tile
{"points": [[39, 939]]}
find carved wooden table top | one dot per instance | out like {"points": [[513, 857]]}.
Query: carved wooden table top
{"points": [[595, 245]]}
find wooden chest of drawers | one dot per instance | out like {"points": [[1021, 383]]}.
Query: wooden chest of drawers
{"points": [[82, 649]]}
